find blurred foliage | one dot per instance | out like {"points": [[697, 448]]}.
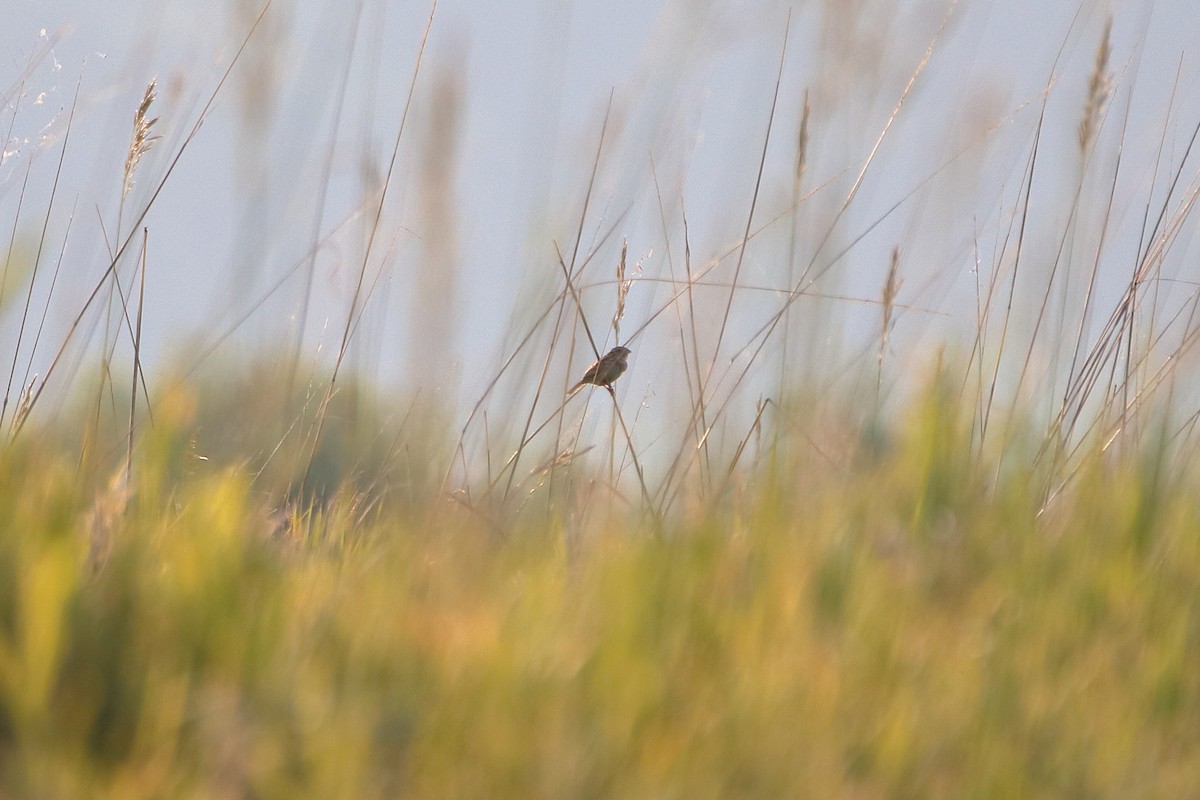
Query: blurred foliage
{"points": [[911, 626], [250, 417]]}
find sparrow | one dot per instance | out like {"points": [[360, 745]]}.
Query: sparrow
{"points": [[606, 370]]}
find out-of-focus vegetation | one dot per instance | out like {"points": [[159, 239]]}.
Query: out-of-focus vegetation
{"points": [[909, 626]]}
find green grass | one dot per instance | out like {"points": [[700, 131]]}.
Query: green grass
{"points": [[908, 628]]}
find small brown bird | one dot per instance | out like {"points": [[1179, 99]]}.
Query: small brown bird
{"points": [[606, 370]]}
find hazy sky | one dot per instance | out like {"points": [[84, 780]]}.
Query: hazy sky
{"points": [[493, 165]]}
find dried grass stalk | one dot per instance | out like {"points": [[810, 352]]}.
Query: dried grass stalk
{"points": [[622, 290], [802, 143], [1099, 89], [142, 140], [891, 287]]}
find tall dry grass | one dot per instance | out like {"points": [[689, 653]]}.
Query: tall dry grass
{"points": [[895, 498]]}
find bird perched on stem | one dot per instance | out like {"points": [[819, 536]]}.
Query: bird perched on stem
{"points": [[606, 370]]}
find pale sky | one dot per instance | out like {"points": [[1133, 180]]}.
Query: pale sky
{"points": [[494, 163]]}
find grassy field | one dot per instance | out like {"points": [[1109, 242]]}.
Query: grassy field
{"points": [[866, 518], [910, 626]]}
